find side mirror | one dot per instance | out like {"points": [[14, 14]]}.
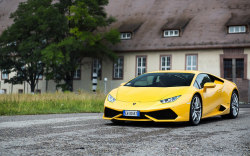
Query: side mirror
{"points": [[209, 85], [122, 84]]}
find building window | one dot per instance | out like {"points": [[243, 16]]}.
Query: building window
{"points": [[40, 77], [125, 36], [3, 91], [20, 91], [165, 63], [77, 74], [236, 29], [191, 62], [38, 91], [118, 68], [240, 68], [228, 68], [141, 62], [97, 68], [171, 33], [5, 76]]}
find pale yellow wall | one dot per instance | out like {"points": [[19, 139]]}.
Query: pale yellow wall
{"points": [[26, 87], [247, 51], [178, 60], [10, 88], [208, 61], [84, 83]]}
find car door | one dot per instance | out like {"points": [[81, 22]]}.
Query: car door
{"points": [[210, 96]]}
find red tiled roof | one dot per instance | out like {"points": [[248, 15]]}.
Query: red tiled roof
{"points": [[6, 8], [203, 23]]}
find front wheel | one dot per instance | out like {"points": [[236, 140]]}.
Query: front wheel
{"points": [[195, 110], [234, 106]]}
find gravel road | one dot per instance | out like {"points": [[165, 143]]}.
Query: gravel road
{"points": [[88, 134]]}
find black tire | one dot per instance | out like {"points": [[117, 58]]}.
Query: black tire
{"points": [[234, 106], [195, 111]]}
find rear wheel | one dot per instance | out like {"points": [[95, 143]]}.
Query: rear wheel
{"points": [[195, 110], [234, 106]]}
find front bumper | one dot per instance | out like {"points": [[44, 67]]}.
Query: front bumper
{"points": [[157, 112], [157, 116]]}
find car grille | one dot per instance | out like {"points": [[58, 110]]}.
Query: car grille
{"points": [[163, 114], [110, 113], [166, 114]]}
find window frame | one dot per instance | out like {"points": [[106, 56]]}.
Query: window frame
{"points": [[186, 66], [170, 56], [40, 77], [113, 71], [78, 69], [4, 78], [5, 90], [92, 66], [169, 30], [196, 82], [126, 33], [20, 90], [38, 91], [136, 64], [228, 29], [233, 53]]}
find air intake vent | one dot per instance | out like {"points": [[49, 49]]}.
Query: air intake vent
{"points": [[110, 113], [163, 114], [222, 108]]}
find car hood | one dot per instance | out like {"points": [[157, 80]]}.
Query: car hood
{"points": [[147, 94]]}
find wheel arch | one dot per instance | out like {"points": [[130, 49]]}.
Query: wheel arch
{"points": [[198, 94], [237, 92]]}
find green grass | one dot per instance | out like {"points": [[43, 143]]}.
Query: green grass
{"points": [[50, 103]]}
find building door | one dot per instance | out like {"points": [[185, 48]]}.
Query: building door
{"points": [[233, 65]]}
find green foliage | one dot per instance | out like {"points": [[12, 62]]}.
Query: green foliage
{"points": [[19, 104], [87, 37], [52, 39], [37, 23]]}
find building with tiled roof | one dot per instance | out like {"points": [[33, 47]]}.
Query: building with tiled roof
{"points": [[211, 36]]}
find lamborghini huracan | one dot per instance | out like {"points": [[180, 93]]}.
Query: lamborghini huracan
{"points": [[172, 96]]}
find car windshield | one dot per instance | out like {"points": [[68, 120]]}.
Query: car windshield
{"points": [[162, 80]]}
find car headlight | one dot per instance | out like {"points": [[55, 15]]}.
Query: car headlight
{"points": [[172, 99], [111, 99]]}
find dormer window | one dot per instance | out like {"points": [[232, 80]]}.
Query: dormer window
{"points": [[236, 29], [126, 36], [171, 33]]}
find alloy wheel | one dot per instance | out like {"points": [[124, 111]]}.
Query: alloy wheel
{"points": [[235, 104], [196, 110]]}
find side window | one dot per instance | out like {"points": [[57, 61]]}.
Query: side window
{"points": [[201, 80], [196, 85]]}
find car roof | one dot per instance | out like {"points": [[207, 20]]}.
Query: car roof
{"points": [[177, 71]]}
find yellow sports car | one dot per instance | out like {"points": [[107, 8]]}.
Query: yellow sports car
{"points": [[172, 96]]}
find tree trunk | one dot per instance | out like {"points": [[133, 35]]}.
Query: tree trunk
{"points": [[32, 87], [68, 85]]}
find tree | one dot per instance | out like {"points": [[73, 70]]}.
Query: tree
{"points": [[87, 37], [37, 24]]}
